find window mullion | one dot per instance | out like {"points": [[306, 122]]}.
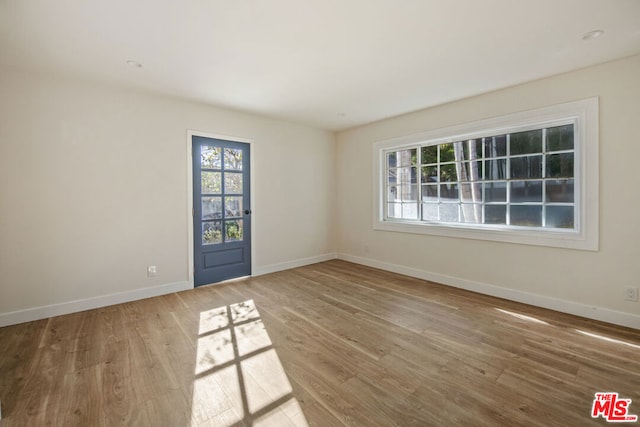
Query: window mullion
{"points": [[508, 180], [481, 177], [419, 181], [438, 201], [544, 175]]}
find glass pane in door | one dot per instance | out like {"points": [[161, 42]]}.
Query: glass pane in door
{"points": [[232, 183], [212, 232], [232, 159], [210, 157], [233, 230], [233, 206]]}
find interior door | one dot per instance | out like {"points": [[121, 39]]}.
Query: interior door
{"points": [[221, 210]]}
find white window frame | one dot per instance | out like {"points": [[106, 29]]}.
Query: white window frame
{"points": [[584, 114]]}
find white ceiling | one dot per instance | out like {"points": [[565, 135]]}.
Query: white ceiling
{"points": [[331, 64]]}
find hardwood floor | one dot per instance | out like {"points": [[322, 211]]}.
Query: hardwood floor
{"points": [[329, 344]]}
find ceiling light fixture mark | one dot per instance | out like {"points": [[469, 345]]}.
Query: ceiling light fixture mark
{"points": [[134, 64], [592, 35]]}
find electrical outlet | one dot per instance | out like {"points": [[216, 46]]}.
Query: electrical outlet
{"points": [[152, 271], [630, 293]]}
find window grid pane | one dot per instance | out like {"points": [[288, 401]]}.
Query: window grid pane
{"points": [[520, 179]]}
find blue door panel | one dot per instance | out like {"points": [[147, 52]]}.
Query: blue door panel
{"points": [[221, 258]]}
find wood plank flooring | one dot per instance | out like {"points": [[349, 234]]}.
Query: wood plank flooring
{"points": [[331, 344]]}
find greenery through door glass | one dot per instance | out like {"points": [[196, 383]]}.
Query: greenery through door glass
{"points": [[220, 165]]}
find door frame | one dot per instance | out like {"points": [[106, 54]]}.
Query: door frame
{"points": [[190, 237]]}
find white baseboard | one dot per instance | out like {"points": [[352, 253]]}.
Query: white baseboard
{"points": [[43, 312], [272, 268], [591, 312]]}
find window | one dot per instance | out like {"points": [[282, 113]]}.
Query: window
{"points": [[525, 178], [522, 179]]}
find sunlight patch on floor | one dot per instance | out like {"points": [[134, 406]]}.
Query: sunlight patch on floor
{"points": [[212, 320], [214, 350], [289, 413], [265, 380], [216, 394], [238, 375]]}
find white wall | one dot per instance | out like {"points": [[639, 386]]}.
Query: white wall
{"points": [[93, 186], [581, 282]]}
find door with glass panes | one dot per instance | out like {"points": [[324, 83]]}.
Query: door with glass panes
{"points": [[221, 210]]}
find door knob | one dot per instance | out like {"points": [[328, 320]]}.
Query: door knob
{"points": [[247, 211]]}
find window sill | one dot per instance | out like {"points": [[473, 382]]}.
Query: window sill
{"points": [[536, 237]]}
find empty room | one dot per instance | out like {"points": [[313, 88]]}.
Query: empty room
{"points": [[323, 213]]}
